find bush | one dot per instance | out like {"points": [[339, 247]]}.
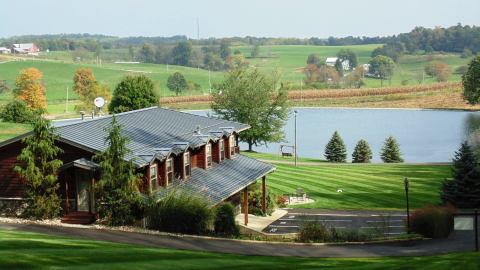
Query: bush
{"points": [[225, 220], [179, 212], [282, 201], [432, 221], [255, 200], [314, 231], [16, 112]]}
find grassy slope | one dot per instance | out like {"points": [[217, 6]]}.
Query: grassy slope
{"points": [[10, 130], [20, 250], [365, 186]]}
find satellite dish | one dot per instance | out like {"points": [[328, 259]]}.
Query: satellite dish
{"points": [[99, 102]]}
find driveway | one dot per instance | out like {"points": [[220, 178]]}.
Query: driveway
{"points": [[457, 242], [388, 223]]}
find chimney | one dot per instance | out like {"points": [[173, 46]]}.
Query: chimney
{"points": [[82, 114], [198, 131]]}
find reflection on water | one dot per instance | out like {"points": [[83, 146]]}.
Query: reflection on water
{"points": [[424, 135]]}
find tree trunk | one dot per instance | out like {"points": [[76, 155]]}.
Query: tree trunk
{"points": [[250, 146]]}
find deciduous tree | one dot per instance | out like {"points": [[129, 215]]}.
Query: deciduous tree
{"points": [[247, 96], [29, 88], [133, 93], [181, 53], [382, 67], [39, 167], [88, 88], [177, 83]]}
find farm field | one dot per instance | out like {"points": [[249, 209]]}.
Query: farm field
{"points": [[10, 130], [58, 69], [364, 186], [53, 252]]}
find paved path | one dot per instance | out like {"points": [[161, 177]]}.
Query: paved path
{"points": [[457, 242], [388, 223]]}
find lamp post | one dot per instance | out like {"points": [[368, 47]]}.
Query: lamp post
{"points": [[295, 134], [405, 183]]}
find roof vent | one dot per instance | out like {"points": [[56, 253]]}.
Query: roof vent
{"points": [[198, 130]]}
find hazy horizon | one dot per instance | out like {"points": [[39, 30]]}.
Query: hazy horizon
{"points": [[217, 18]]}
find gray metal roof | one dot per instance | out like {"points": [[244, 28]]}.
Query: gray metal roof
{"points": [[152, 132], [223, 180]]}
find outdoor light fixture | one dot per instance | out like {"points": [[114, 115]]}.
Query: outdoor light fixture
{"points": [[406, 184]]}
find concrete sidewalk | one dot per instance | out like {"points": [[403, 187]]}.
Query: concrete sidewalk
{"points": [[456, 243]]}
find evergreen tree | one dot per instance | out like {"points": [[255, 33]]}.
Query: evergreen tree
{"points": [[464, 190], [362, 152], [118, 193], [391, 151], [471, 82], [39, 167], [335, 150]]}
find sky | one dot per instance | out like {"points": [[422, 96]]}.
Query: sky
{"points": [[226, 18]]}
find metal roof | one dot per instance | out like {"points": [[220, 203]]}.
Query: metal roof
{"points": [[151, 132], [221, 181]]}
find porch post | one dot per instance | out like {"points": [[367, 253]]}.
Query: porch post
{"points": [[264, 196], [245, 205], [67, 202]]}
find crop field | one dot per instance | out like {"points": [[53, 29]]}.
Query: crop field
{"points": [[24, 250]]}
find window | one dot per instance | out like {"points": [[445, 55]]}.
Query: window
{"points": [[222, 150], [208, 150], [186, 164], [232, 145], [169, 170], [153, 176]]}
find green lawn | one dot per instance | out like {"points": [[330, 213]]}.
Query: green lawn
{"points": [[365, 186], [266, 156], [21, 250], [10, 130]]}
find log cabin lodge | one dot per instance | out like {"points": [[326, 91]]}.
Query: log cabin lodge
{"points": [[171, 149]]}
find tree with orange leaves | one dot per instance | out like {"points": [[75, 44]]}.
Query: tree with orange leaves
{"points": [[29, 88], [88, 88]]}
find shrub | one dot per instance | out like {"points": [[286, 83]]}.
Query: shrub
{"points": [[17, 112], [314, 231], [432, 221], [179, 212], [225, 220], [282, 201], [335, 150], [255, 200]]}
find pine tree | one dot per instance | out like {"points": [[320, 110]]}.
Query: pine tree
{"points": [[464, 190], [362, 152], [118, 184], [335, 150], [39, 167], [391, 151]]}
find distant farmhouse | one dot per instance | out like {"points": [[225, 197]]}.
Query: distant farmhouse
{"points": [[25, 48], [332, 60], [4, 50]]}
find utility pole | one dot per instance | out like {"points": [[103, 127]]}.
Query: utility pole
{"points": [[66, 102], [209, 82], [295, 135]]}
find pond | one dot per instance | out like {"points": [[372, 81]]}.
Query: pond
{"points": [[424, 135]]}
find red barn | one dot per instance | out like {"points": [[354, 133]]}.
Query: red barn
{"points": [[25, 48]]}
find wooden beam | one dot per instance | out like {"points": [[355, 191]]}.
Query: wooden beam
{"points": [[264, 195], [67, 204], [245, 205]]}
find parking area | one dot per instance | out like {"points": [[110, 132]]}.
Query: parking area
{"points": [[387, 223]]}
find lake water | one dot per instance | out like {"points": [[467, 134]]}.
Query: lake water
{"points": [[424, 135]]}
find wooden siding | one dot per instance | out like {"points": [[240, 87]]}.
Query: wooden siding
{"points": [[11, 185]]}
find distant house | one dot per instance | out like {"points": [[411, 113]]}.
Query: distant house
{"points": [[25, 48], [332, 60], [4, 50]]}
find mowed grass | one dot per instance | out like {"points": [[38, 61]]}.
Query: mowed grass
{"points": [[10, 130], [370, 186], [23, 250]]}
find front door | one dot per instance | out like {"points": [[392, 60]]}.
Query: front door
{"points": [[83, 191]]}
